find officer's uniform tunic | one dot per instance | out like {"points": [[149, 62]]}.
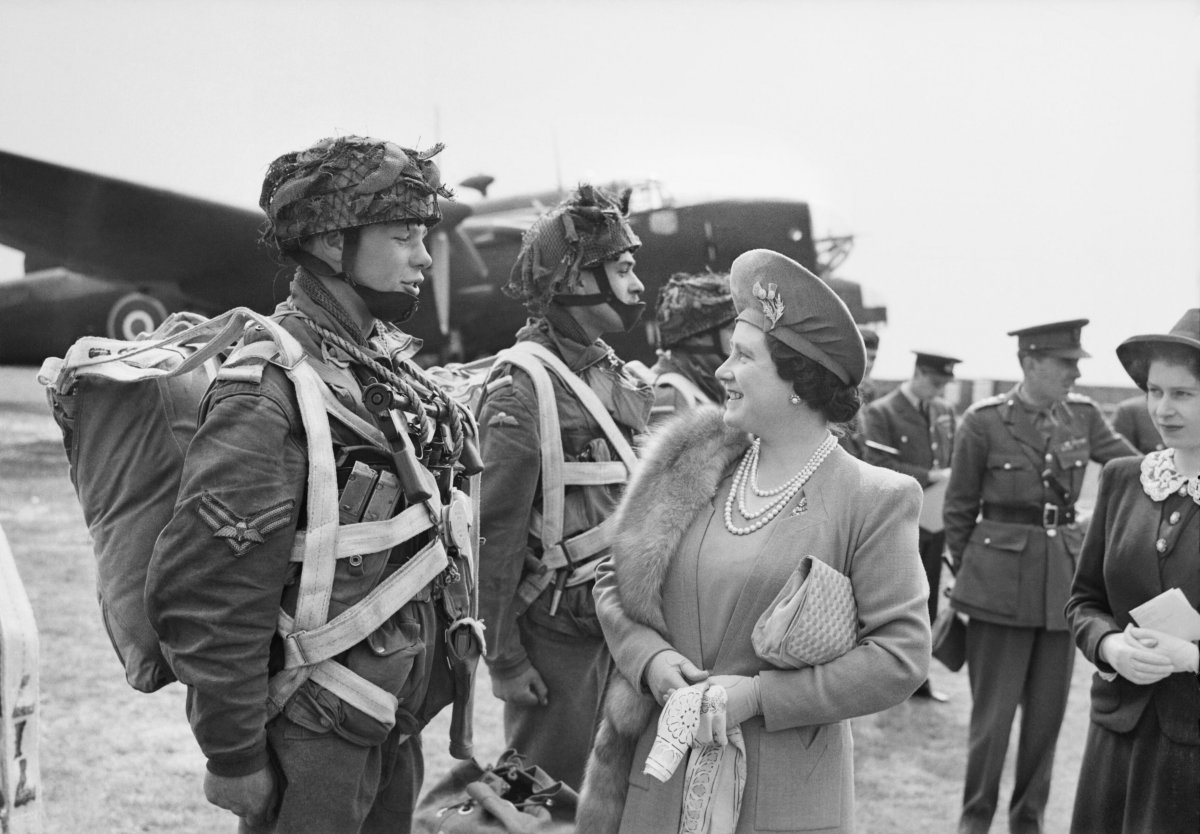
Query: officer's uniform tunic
{"points": [[566, 648], [1015, 566], [220, 572], [923, 444]]}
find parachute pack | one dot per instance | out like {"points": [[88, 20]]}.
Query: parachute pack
{"points": [[128, 409]]}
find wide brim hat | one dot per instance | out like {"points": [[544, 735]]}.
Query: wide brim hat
{"points": [[786, 301], [1186, 332]]}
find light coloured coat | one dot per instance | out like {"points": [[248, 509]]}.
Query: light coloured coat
{"points": [[861, 520]]}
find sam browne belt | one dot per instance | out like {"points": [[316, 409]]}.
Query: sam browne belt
{"points": [[1045, 515]]}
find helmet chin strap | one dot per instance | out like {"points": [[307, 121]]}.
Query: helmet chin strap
{"points": [[628, 313], [395, 307]]}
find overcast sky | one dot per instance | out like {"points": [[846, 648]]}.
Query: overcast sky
{"points": [[1002, 164]]}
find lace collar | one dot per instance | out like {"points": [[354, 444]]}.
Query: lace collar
{"points": [[1160, 479]]}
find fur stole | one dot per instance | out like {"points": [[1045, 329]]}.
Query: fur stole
{"points": [[680, 471]]}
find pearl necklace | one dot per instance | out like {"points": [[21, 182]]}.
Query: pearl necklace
{"points": [[745, 473]]}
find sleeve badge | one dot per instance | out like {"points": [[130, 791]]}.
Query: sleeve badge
{"points": [[242, 534]]}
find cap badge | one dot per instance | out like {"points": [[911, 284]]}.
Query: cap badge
{"points": [[772, 304]]}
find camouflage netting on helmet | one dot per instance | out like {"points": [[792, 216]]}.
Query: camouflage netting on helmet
{"points": [[587, 229], [691, 304], [346, 182]]}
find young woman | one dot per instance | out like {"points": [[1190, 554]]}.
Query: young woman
{"points": [[723, 509], [1141, 765]]}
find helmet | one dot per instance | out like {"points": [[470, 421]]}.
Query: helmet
{"points": [[582, 232], [689, 305], [347, 182]]}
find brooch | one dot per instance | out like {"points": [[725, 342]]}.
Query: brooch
{"points": [[772, 304]]}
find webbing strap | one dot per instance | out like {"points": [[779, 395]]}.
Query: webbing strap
{"points": [[594, 473], [534, 359], [581, 548], [551, 441], [684, 386], [374, 536], [585, 395], [357, 691], [306, 647]]}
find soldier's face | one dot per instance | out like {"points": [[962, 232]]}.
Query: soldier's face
{"points": [[1050, 377], [626, 286], [391, 256], [928, 384], [1173, 397]]}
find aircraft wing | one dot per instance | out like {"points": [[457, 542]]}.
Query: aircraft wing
{"points": [[147, 237]]}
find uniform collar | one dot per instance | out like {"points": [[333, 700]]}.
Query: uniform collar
{"points": [[577, 356]]}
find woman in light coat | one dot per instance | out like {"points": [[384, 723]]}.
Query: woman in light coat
{"points": [[725, 506]]}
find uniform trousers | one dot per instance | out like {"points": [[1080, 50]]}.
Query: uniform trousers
{"points": [[932, 546], [1009, 667], [574, 667], [332, 785], [1138, 782]]}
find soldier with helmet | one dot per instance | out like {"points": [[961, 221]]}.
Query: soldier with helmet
{"points": [[555, 423], [1015, 475], [304, 734], [695, 319]]}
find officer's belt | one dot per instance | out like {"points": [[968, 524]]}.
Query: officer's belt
{"points": [[1046, 515]]}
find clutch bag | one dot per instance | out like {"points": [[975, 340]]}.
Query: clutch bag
{"points": [[812, 620]]}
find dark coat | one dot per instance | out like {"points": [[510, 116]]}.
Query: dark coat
{"points": [[1119, 569], [1020, 574], [921, 445]]}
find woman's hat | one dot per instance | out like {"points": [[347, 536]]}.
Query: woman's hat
{"points": [[782, 298], [1186, 332]]}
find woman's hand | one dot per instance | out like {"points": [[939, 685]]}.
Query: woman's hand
{"points": [[741, 702], [1184, 655], [669, 670], [1133, 660]]}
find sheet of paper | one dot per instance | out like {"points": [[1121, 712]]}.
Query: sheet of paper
{"points": [[931, 507], [1170, 612]]}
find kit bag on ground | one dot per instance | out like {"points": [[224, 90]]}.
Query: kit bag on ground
{"points": [[513, 796]]}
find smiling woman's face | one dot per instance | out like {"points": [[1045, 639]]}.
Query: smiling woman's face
{"points": [[1173, 397], [757, 397]]}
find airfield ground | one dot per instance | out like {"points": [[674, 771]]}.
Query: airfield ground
{"points": [[114, 761]]}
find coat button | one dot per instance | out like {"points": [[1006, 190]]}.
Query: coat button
{"points": [[1008, 466], [1161, 545], [1051, 533], [987, 540], [1049, 458], [1174, 519], [904, 438]]}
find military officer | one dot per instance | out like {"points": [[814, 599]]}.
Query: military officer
{"points": [[1133, 422], [556, 426], [695, 319], [853, 438], [911, 430], [309, 680], [1017, 469]]}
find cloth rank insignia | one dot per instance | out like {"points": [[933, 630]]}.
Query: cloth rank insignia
{"points": [[501, 418], [239, 533]]}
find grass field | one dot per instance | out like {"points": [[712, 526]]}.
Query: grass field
{"points": [[116, 761]]}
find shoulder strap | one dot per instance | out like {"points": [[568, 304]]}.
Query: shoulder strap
{"points": [[685, 386]]}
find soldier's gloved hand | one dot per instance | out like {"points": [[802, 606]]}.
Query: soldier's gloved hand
{"points": [[1184, 656], [669, 670], [251, 797], [526, 689], [1135, 662]]}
